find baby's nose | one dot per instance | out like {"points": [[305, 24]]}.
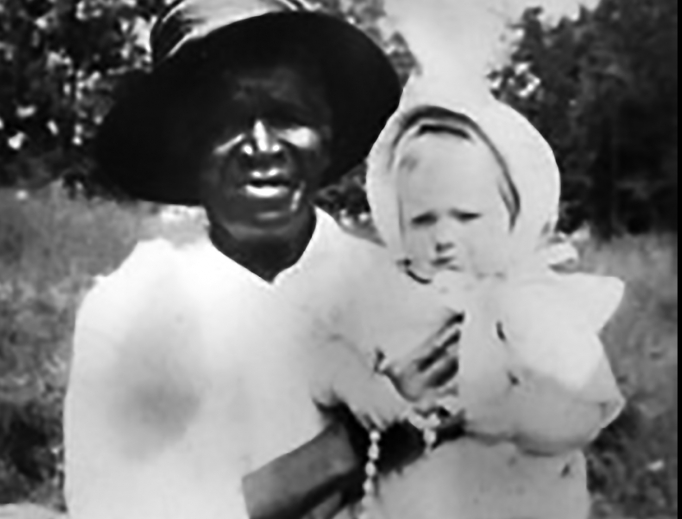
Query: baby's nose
{"points": [[445, 238], [445, 235], [443, 246]]}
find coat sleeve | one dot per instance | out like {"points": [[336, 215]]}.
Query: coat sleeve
{"points": [[128, 405]]}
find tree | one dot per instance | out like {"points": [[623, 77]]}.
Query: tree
{"points": [[603, 89], [59, 62]]}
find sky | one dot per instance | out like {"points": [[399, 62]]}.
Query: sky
{"points": [[553, 8], [476, 31], [557, 8]]}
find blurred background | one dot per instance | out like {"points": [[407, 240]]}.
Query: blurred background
{"points": [[600, 83]]}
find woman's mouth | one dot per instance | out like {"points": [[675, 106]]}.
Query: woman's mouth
{"points": [[273, 198], [270, 189]]}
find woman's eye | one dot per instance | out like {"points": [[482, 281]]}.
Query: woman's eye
{"points": [[290, 117], [302, 137]]}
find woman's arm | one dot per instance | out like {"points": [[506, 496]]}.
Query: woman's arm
{"points": [[294, 485], [314, 478]]}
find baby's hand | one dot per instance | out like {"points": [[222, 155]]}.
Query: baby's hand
{"points": [[372, 399], [352, 380], [441, 407]]}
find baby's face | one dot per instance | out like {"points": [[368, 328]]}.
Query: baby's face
{"points": [[454, 217]]}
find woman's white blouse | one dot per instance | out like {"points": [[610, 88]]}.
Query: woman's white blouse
{"points": [[188, 373]]}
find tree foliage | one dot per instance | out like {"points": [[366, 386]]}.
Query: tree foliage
{"points": [[59, 63], [603, 89]]}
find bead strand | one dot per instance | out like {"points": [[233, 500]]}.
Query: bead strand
{"points": [[427, 425], [371, 474]]}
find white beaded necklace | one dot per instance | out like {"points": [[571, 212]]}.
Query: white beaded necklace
{"points": [[427, 426]]}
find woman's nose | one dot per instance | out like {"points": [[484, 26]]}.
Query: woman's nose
{"points": [[264, 140], [261, 149]]}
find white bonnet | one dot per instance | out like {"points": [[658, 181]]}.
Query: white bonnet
{"points": [[528, 158]]}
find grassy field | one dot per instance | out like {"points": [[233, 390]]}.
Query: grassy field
{"points": [[635, 463], [51, 249]]}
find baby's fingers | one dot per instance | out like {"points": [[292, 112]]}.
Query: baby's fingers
{"points": [[432, 349], [449, 388], [451, 406], [443, 407], [379, 415], [444, 372], [445, 338]]}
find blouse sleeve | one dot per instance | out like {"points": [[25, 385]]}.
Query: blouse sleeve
{"points": [[552, 327], [117, 463], [544, 382]]}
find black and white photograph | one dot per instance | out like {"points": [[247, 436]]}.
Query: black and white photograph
{"points": [[338, 259]]}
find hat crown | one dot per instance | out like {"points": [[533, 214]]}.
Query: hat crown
{"points": [[141, 146], [188, 20]]}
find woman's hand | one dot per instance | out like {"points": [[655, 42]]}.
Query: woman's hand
{"points": [[430, 369]]}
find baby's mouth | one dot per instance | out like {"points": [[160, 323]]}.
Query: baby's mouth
{"points": [[446, 263]]}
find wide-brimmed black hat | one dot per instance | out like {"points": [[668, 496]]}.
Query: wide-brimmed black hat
{"points": [[137, 145]]}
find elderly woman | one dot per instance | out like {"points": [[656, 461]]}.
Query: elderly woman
{"points": [[188, 394]]}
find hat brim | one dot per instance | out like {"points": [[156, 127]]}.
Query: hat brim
{"points": [[135, 147]]}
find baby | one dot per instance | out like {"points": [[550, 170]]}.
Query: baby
{"points": [[466, 199]]}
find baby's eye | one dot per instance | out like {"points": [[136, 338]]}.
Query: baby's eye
{"points": [[424, 220], [465, 216]]}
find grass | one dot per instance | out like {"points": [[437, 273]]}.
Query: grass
{"points": [[634, 465], [51, 249]]}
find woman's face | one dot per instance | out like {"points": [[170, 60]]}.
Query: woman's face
{"points": [[452, 210], [269, 155]]}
